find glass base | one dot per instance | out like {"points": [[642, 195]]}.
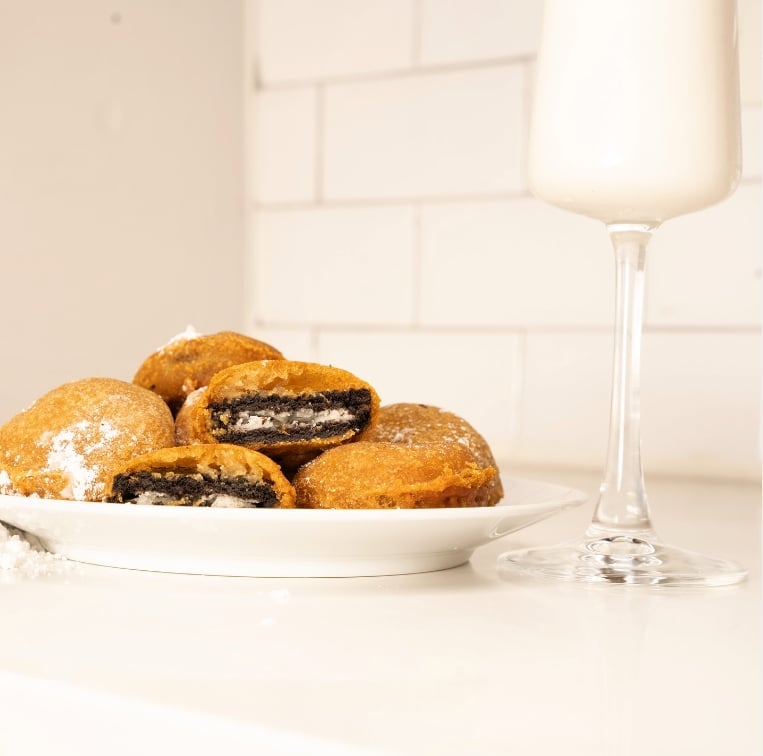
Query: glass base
{"points": [[621, 558]]}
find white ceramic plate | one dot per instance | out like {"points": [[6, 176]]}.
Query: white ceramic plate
{"points": [[280, 542]]}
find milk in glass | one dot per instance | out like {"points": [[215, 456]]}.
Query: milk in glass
{"points": [[636, 107]]}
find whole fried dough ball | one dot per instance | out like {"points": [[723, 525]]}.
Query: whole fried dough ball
{"points": [[68, 443], [413, 424], [368, 475], [188, 362]]}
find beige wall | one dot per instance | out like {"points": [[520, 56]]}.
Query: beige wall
{"points": [[394, 235], [121, 188]]}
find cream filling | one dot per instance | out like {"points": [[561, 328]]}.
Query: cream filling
{"points": [[217, 500], [246, 421]]}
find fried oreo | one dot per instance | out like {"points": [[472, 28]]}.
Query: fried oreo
{"points": [[288, 410], [189, 361], [415, 424], [380, 475], [206, 475], [183, 421], [69, 442]]}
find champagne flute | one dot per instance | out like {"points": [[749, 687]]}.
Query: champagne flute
{"points": [[635, 120]]}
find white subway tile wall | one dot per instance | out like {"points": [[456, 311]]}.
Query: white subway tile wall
{"points": [[565, 396], [751, 142], [749, 32], [438, 134], [393, 234], [315, 40], [335, 266], [288, 118], [454, 31], [470, 372], [704, 268], [509, 263]]}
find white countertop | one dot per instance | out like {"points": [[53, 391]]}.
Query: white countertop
{"points": [[460, 661]]}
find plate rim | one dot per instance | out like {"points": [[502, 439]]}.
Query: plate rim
{"points": [[399, 541]]}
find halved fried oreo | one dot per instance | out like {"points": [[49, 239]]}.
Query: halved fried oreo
{"points": [[288, 410], [205, 475]]}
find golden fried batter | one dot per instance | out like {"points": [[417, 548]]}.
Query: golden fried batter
{"points": [[183, 420], [414, 424], [190, 360], [379, 475], [207, 475], [288, 410], [69, 442]]}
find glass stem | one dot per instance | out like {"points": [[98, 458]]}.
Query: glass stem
{"points": [[622, 506]]}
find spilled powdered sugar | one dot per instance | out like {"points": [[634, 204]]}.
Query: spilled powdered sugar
{"points": [[17, 556]]}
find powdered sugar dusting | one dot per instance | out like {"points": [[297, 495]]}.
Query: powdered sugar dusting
{"points": [[189, 333], [17, 556], [410, 436], [63, 457]]}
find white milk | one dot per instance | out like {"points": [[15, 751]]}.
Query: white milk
{"points": [[636, 108]]}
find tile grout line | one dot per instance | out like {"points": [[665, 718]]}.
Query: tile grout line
{"points": [[314, 340], [416, 266], [509, 329], [393, 201], [319, 136], [527, 92], [416, 33], [516, 394], [430, 69], [250, 84]]}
